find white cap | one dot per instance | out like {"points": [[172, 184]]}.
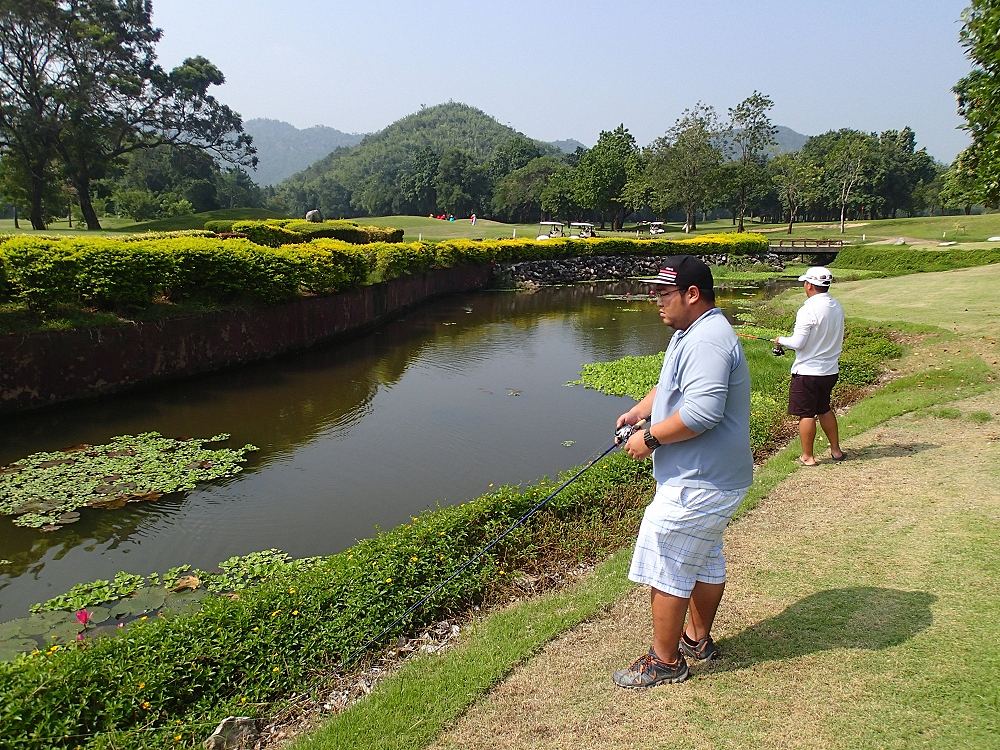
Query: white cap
{"points": [[817, 276]]}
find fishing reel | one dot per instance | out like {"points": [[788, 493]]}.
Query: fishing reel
{"points": [[623, 433], [778, 350]]}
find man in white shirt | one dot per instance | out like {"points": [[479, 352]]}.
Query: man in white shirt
{"points": [[818, 339]]}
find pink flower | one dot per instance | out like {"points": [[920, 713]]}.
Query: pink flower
{"points": [[83, 616], [79, 636]]}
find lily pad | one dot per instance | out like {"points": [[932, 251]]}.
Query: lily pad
{"points": [[11, 647], [144, 600], [46, 490], [12, 629], [44, 623], [99, 614], [183, 602]]}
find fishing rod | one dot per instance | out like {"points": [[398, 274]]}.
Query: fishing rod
{"points": [[622, 434], [777, 350]]}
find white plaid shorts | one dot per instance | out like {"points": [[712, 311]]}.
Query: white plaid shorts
{"points": [[680, 538]]}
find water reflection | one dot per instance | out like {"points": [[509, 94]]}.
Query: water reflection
{"points": [[430, 408]]}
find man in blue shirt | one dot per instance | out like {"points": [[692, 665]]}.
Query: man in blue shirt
{"points": [[697, 429]]}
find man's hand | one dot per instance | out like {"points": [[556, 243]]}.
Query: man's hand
{"points": [[636, 447]]}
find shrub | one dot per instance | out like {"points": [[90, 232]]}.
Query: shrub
{"points": [[131, 690], [40, 272], [267, 234], [897, 261], [328, 266], [401, 259], [220, 226], [126, 271], [113, 275], [146, 236], [347, 231]]}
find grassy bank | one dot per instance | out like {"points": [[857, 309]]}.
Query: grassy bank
{"points": [[835, 622]]}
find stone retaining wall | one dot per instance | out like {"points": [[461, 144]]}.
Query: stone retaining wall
{"points": [[48, 367]]}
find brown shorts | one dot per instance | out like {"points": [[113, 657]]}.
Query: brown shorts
{"points": [[809, 395]]}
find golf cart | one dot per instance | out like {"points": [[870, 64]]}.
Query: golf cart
{"points": [[656, 227], [584, 228], [549, 229]]}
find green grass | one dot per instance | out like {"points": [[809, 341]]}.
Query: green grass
{"points": [[409, 709], [968, 231], [118, 224], [435, 230], [415, 705], [940, 369]]}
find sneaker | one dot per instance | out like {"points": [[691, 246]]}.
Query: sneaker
{"points": [[648, 670], [703, 651]]}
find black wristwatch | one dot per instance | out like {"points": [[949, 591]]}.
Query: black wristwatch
{"points": [[650, 440]]}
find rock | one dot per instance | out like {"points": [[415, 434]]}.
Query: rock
{"points": [[314, 215], [233, 732]]}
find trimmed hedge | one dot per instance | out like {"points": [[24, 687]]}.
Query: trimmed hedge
{"points": [[113, 273], [275, 232], [897, 261], [179, 676]]}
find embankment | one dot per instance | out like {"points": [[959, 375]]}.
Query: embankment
{"points": [[48, 367]]}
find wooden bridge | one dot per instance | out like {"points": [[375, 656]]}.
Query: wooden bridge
{"points": [[806, 246]]}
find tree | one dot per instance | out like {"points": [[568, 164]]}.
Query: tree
{"points": [[462, 185], [15, 187], [416, 182], [751, 134], [236, 189], [30, 107], [794, 179], [683, 165], [85, 75], [901, 167], [846, 162], [979, 94], [518, 195], [603, 172], [559, 195], [512, 154], [962, 187]]}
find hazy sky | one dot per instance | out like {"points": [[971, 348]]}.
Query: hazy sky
{"points": [[571, 68]]}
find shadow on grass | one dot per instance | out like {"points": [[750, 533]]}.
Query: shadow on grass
{"points": [[863, 617], [890, 450]]}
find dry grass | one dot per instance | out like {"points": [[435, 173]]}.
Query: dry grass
{"points": [[840, 591]]}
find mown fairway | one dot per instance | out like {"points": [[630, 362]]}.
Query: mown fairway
{"points": [[926, 230]]}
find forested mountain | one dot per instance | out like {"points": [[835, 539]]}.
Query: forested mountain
{"points": [[283, 149], [788, 140], [442, 158], [567, 146]]}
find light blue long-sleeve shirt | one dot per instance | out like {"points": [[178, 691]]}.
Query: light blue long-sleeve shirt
{"points": [[705, 377]]}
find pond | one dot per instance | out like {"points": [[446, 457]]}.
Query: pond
{"points": [[434, 407]]}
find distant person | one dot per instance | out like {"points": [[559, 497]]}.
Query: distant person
{"points": [[698, 432], [451, 217], [818, 340], [472, 219]]}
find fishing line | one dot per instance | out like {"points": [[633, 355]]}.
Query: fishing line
{"points": [[621, 436]]}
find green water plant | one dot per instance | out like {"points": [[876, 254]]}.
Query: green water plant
{"points": [[46, 490]]}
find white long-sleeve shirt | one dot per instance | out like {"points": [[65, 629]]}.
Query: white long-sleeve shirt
{"points": [[818, 337]]}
